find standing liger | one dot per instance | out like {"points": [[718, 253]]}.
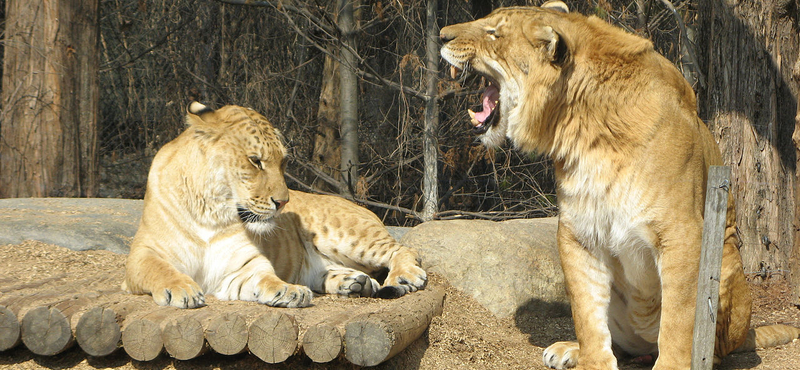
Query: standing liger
{"points": [[631, 160], [218, 219]]}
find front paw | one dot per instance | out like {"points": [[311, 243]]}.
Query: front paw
{"points": [[403, 280], [182, 293], [561, 355], [283, 295]]}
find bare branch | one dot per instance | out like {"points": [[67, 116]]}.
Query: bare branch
{"points": [[685, 43]]}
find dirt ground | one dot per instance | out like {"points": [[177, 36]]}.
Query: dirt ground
{"points": [[466, 336]]}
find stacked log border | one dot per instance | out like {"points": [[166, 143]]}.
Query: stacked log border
{"points": [[49, 322]]}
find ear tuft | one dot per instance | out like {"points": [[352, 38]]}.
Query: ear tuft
{"points": [[556, 5]]}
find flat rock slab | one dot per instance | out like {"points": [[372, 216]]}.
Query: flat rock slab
{"points": [[508, 266], [75, 223]]}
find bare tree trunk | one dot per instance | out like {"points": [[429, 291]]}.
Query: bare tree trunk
{"points": [[430, 142], [48, 142], [748, 50], [794, 261], [348, 91], [326, 154]]}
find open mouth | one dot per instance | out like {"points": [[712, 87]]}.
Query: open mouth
{"points": [[489, 115]]}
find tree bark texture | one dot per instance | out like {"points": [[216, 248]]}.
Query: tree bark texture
{"points": [[430, 142], [326, 154], [348, 91], [48, 133], [747, 50]]}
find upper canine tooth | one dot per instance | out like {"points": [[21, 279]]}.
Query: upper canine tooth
{"points": [[453, 72]]}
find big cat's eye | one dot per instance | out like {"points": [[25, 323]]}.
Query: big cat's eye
{"points": [[255, 161], [491, 31]]}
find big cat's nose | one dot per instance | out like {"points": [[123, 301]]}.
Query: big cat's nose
{"points": [[446, 36], [279, 203]]}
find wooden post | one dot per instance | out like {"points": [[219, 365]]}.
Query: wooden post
{"points": [[705, 316]]}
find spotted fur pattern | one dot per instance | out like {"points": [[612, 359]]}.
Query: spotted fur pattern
{"points": [[631, 159], [218, 219]]}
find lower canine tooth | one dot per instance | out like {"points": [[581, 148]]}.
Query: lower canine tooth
{"points": [[474, 121]]}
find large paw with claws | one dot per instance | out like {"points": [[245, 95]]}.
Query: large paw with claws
{"points": [[561, 355], [403, 280], [283, 295], [181, 292]]}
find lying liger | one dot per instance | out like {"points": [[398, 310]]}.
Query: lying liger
{"points": [[218, 219], [631, 159]]}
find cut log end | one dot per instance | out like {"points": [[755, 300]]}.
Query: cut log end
{"points": [[375, 337], [322, 343], [98, 332], [9, 329], [227, 334], [273, 337], [368, 342], [46, 331], [183, 338], [142, 340]]}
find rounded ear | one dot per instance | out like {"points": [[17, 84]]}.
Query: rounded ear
{"points": [[556, 5], [556, 47], [195, 112]]}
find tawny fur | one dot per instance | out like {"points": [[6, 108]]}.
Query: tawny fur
{"points": [[631, 159], [193, 241]]}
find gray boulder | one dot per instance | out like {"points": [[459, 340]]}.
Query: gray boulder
{"points": [[510, 267], [75, 223]]}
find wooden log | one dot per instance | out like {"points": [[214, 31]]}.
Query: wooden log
{"points": [[98, 333], [98, 329], [323, 342], [708, 278], [141, 332], [184, 337], [227, 333], [9, 329], [142, 340], [12, 285], [375, 337], [46, 329], [273, 336]]}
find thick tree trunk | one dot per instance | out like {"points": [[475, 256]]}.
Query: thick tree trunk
{"points": [[747, 52], [430, 142], [348, 92], [50, 99], [326, 154], [795, 259]]}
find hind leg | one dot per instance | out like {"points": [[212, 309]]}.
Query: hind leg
{"points": [[734, 304], [348, 282]]}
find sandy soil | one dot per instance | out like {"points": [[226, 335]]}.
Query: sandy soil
{"points": [[466, 336]]}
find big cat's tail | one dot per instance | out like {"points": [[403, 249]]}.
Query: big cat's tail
{"points": [[768, 336]]}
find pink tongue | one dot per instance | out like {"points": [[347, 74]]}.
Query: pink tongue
{"points": [[490, 96]]}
